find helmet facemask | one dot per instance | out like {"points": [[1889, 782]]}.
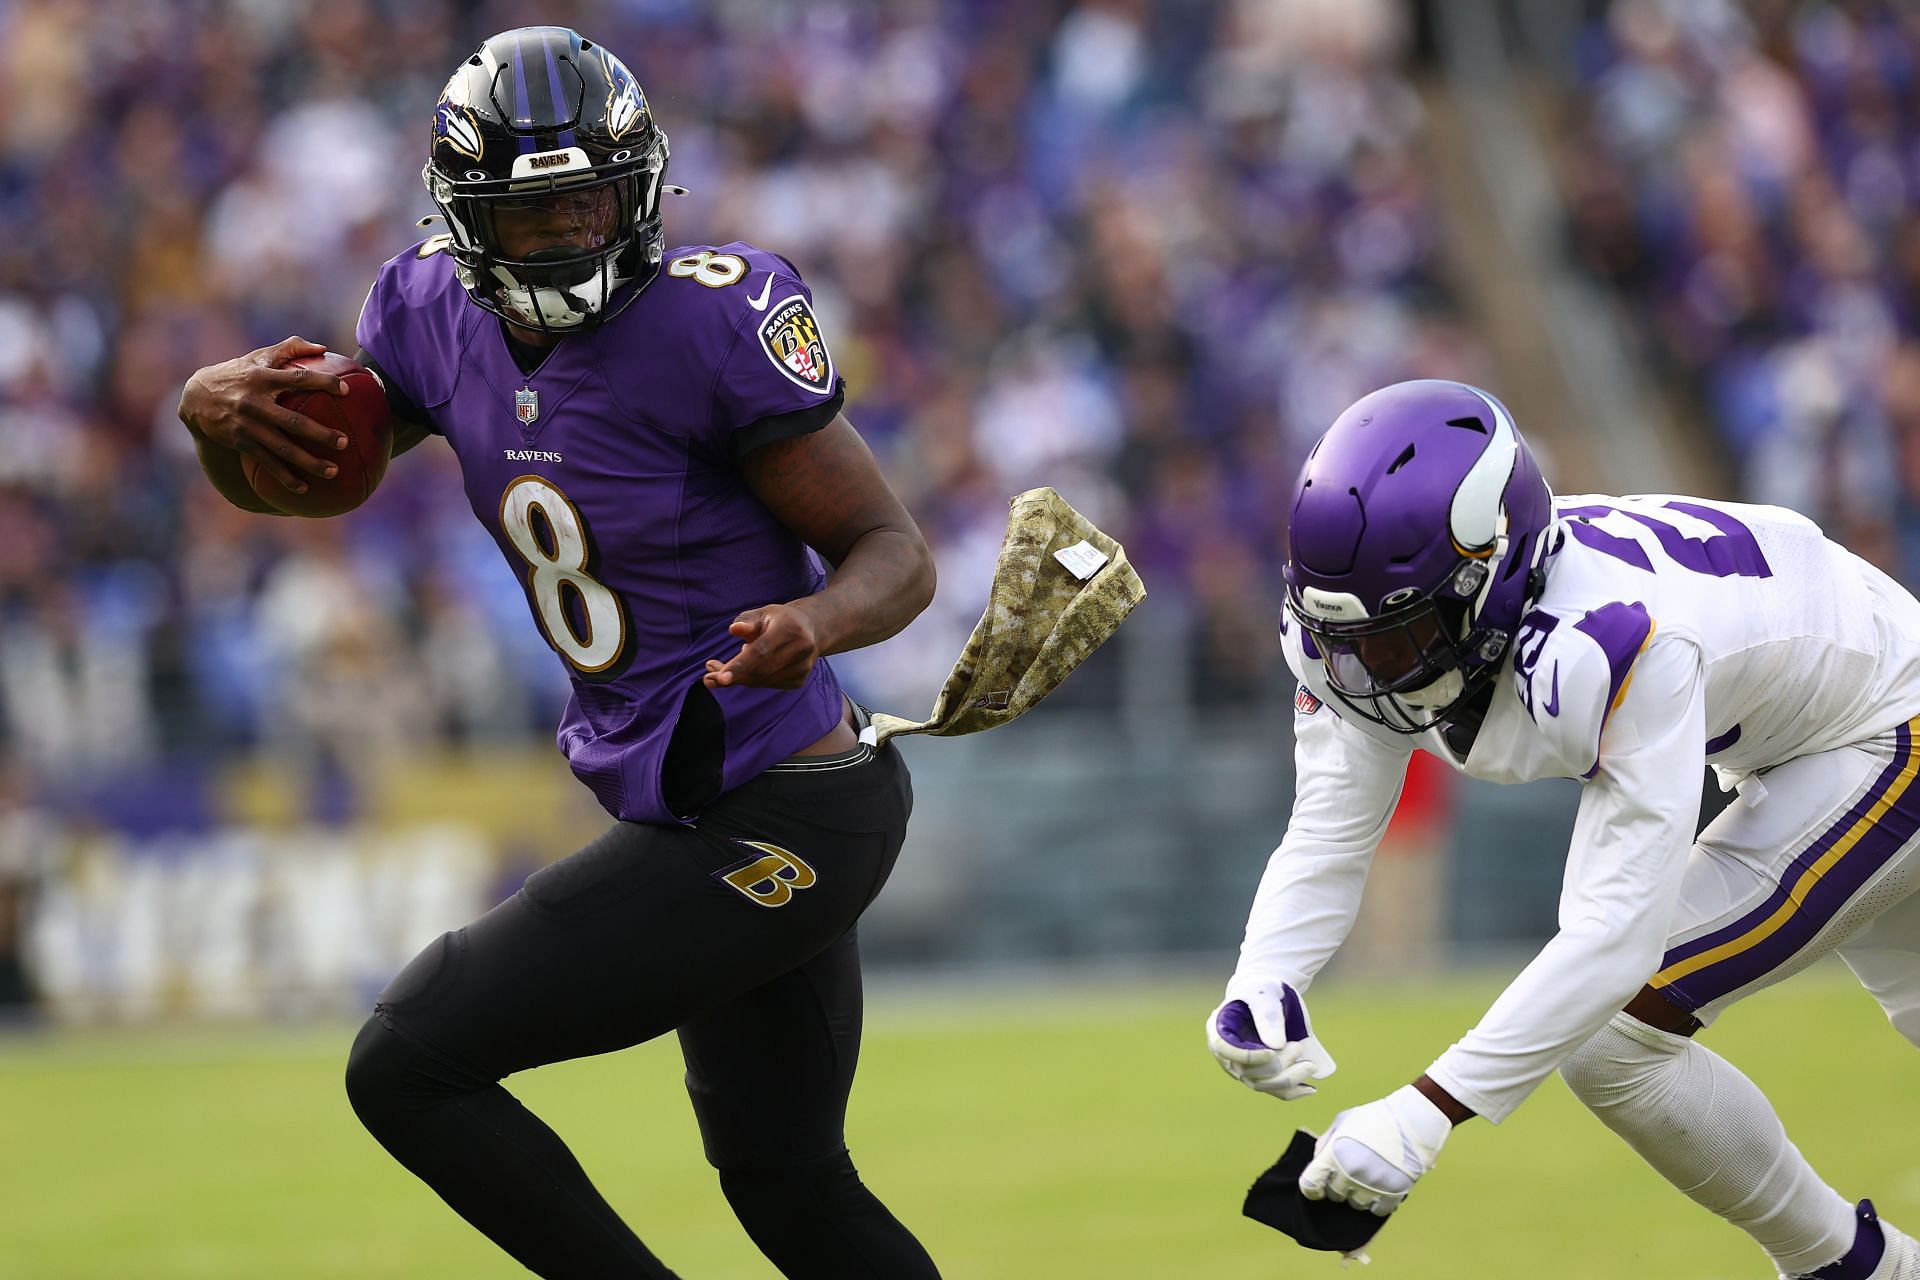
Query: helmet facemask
{"points": [[550, 253], [1413, 665]]}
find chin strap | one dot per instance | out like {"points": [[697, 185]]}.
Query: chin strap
{"points": [[1495, 643]]}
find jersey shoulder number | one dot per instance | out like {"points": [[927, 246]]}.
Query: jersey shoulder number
{"points": [[769, 306], [1688, 537], [1570, 672], [709, 267]]}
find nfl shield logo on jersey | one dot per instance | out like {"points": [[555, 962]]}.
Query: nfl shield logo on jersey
{"points": [[526, 405], [1304, 702]]}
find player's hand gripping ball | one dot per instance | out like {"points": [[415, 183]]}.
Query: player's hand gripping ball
{"points": [[361, 415]]}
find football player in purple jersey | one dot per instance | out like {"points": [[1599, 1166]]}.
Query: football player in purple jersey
{"points": [[654, 439]]}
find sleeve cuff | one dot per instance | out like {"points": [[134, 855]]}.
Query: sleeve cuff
{"points": [[398, 401], [784, 426], [1487, 1107]]}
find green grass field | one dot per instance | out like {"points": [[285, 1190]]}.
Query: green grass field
{"points": [[1031, 1132]]}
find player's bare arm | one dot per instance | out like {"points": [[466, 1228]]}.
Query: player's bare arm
{"points": [[826, 487], [1449, 1106]]}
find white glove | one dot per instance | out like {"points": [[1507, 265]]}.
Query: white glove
{"points": [[1261, 1037], [1372, 1155]]}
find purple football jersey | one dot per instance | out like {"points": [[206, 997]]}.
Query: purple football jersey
{"points": [[608, 478]]}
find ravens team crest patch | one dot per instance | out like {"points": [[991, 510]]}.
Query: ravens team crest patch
{"points": [[791, 338]]}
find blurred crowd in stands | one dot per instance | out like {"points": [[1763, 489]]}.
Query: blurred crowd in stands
{"points": [[1140, 250], [1748, 177]]}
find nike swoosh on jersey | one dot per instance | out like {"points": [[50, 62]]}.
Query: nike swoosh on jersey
{"points": [[766, 291], [1552, 704]]}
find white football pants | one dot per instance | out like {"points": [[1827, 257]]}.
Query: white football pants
{"points": [[1817, 855]]}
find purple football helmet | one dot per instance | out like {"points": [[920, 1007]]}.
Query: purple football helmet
{"points": [[1413, 549]]}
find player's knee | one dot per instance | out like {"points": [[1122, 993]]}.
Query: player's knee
{"points": [[376, 1070], [1623, 1060], [770, 1194], [388, 1074]]}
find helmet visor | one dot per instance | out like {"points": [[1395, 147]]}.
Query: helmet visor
{"points": [[1404, 651], [542, 232]]}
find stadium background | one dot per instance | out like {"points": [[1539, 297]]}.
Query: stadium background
{"points": [[1141, 250]]}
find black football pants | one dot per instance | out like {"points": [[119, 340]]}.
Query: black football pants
{"points": [[738, 932]]}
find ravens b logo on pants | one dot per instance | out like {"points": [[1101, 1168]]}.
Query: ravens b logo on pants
{"points": [[772, 879]]}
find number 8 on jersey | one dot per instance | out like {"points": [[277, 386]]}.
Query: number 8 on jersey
{"points": [[591, 630]]}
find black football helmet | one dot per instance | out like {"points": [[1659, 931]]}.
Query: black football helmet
{"points": [[541, 119]]}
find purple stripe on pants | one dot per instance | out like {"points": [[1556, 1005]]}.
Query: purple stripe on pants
{"points": [[1823, 901]]}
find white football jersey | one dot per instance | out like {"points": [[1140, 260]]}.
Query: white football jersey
{"points": [[1671, 632]]}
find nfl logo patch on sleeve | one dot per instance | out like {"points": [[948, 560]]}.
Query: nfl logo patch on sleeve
{"points": [[791, 338], [1304, 702]]}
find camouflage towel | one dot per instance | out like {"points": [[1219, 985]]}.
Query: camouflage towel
{"points": [[1042, 619]]}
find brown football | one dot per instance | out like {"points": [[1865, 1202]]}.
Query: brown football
{"points": [[361, 415]]}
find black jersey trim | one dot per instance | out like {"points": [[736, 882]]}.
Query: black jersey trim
{"points": [[527, 356], [785, 426], [694, 767], [399, 403]]}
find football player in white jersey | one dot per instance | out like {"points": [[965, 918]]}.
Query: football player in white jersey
{"points": [[1439, 598]]}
